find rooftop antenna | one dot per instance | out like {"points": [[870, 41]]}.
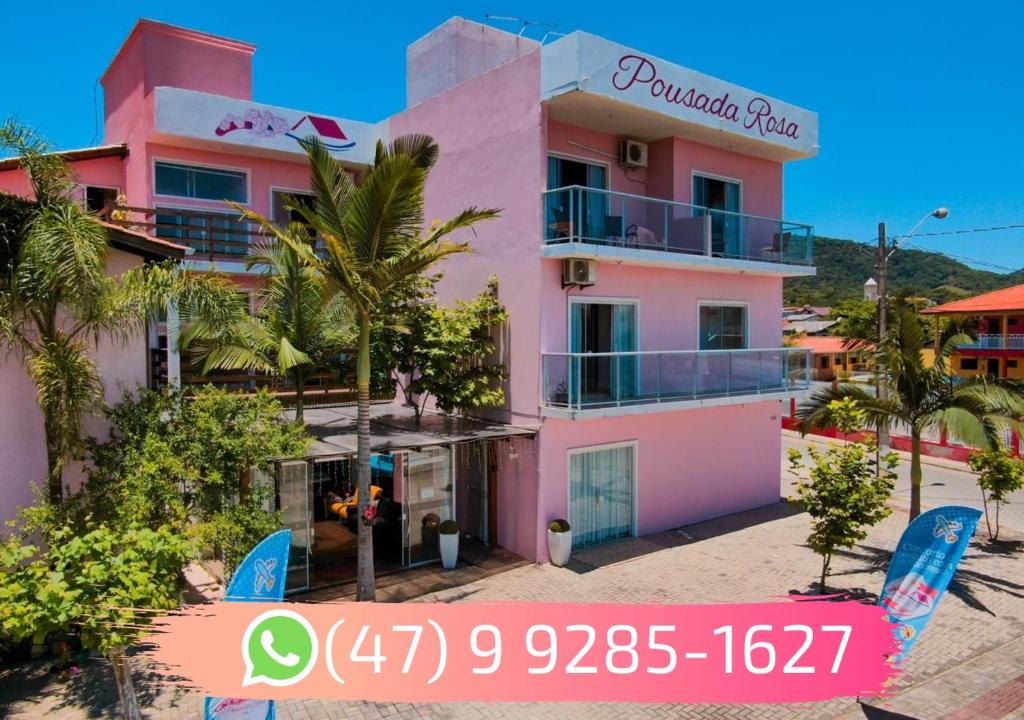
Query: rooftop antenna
{"points": [[523, 22]]}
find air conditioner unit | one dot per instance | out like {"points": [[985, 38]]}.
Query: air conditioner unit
{"points": [[578, 271], [633, 153]]}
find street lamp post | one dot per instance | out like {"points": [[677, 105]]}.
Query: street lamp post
{"points": [[884, 253]]}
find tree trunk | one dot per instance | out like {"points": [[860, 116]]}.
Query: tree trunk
{"points": [[54, 464], [300, 386], [996, 536], [365, 585], [826, 560], [125, 687], [915, 473], [988, 525]]}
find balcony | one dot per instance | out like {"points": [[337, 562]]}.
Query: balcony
{"points": [[212, 236], [987, 341], [623, 383], [584, 222]]}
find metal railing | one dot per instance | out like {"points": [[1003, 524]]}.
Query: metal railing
{"points": [[995, 341], [577, 214], [582, 381]]}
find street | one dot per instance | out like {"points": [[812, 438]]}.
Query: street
{"points": [[944, 483]]}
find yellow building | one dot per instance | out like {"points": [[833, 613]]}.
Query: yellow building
{"points": [[999, 348]]}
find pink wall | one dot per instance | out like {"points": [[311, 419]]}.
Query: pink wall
{"points": [[492, 155], [104, 171], [688, 469], [671, 165], [22, 440]]}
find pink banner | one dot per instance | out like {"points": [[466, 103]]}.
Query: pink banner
{"points": [[419, 652]]}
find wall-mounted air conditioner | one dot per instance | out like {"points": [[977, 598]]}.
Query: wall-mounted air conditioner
{"points": [[578, 271], [633, 153]]}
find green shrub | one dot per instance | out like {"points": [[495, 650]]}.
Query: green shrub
{"points": [[559, 526], [448, 527]]}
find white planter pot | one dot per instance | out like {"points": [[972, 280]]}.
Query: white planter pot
{"points": [[449, 550], [559, 547]]}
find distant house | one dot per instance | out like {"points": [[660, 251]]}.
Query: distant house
{"points": [[999, 348], [830, 356], [807, 327], [806, 312]]}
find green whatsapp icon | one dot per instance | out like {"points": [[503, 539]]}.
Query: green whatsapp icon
{"points": [[279, 648]]}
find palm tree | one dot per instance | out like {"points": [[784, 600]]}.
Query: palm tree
{"points": [[57, 301], [299, 325], [374, 245], [971, 410]]}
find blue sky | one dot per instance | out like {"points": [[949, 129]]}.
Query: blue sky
{"points": [[920, 103]]}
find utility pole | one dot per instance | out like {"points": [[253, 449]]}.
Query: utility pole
{"points": [[883, 386]]}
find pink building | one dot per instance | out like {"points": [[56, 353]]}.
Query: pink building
{"points": [[640, 251]]}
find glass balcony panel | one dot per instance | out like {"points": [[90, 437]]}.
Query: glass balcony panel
{"points": [[582, 381], [603, 217]]}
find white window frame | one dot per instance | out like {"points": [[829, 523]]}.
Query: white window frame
{"points": [[600, 300], [695, 173], [726, 303], [581, 159], [206, 166], [634, 521]]}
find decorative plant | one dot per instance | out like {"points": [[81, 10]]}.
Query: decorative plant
{"points": [[559, 526], [448, 527], [999, 475], [846, 489], [102, 585]]}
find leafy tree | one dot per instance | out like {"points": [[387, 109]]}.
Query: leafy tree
{"points": [[299, 326], [999, 475], [847, 487], [857, 320], [971, 410], [102, 585], [375, 244], [57, 301], [447, 353], [182, 460]]}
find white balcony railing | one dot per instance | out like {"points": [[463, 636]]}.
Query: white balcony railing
{"points": [[593, 381], [601, 217]]}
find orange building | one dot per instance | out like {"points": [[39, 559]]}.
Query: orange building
{"points": [[999, 348]]}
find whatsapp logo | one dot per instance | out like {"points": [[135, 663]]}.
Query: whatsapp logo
{"points": [[279, 648]]}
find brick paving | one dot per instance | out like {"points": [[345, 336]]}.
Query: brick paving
{"points": [[970, 660]]}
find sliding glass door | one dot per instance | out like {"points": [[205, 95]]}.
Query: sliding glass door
{"points": [[717, 194], [603, 327], [601, 493]]}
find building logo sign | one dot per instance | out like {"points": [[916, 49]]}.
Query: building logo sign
{"points": [[756, 115], [266, 124]]}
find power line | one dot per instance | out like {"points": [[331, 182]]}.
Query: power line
{"points": [[995, 228]]}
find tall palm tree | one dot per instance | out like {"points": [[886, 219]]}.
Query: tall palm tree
{"points": [[57, 301], [971, 410], [374, 244], [299, 325]]}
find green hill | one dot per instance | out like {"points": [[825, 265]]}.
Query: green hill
{"points": [[844, 265]]}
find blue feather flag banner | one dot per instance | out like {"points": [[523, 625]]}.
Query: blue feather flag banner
{"points": [[922, 567], [259, 578]]}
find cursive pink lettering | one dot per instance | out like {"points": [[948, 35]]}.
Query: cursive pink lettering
{"points": [[636, 70]]}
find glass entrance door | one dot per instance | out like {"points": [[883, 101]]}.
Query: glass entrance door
{"points": [[601, 493], [717, 194], [428, 496]]}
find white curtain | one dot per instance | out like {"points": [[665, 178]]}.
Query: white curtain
{"points": [[601, 494]]}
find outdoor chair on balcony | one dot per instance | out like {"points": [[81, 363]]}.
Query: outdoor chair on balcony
{"points": [[613, 229], [779, 244]]}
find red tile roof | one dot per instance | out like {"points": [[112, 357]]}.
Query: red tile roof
{"points": [[822, 344], [1006, 300]]}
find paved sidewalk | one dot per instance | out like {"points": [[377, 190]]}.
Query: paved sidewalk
{"points": [[969, 660]]}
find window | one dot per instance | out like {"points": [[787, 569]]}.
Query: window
{"points": [[722, 195], [201, 183], [723, 327], [100, 200], [968, 363], [282, 213], [1011, 363], [601, 488]]}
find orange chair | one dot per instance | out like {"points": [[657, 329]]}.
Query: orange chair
{"points": [[341, 507]]}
